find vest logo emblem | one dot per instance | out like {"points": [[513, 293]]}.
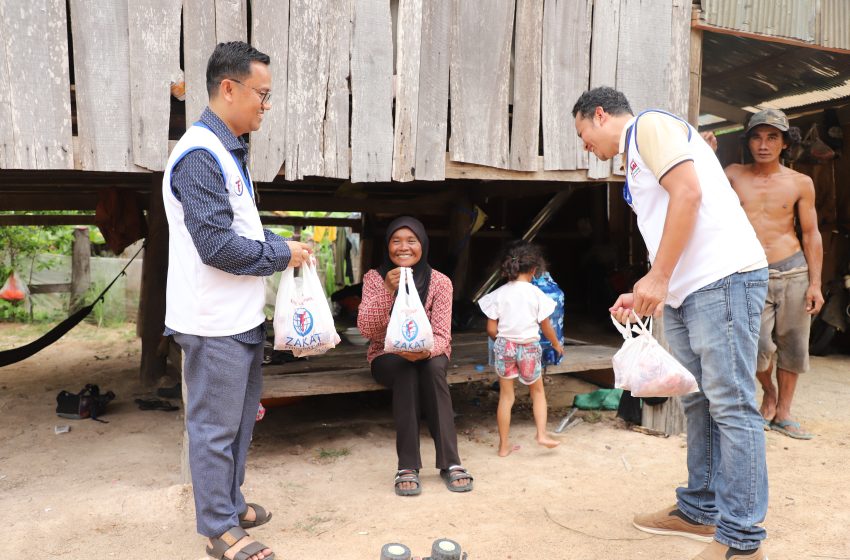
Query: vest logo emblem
{"points": [[239, 187], [302, 321], [634, 169], [409, 329]]}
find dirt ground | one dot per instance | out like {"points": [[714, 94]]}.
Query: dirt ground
{"points": [[325, 466]]}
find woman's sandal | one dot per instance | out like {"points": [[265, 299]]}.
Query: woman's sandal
{"points": [[407, 475], [228, 540], [454, 473], [261, 517]]}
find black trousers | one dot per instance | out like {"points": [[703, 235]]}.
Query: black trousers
{"points": [[419, 387]]}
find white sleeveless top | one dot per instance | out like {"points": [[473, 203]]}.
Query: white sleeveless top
{"points": [[202, 300], [723, 241]]}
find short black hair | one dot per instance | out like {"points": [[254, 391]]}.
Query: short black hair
{"points": [[612, 102], [521, 257], [792, 138], [231, 60]]}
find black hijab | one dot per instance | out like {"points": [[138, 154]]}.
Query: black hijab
{"points": [[421, 270]]}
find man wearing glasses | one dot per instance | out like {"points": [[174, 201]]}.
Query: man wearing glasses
{"points": [[218, 256]]}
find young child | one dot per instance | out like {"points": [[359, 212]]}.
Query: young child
{"points": [[516, 313]]}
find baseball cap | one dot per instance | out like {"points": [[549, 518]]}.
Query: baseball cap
{"points": [[772, 117]]}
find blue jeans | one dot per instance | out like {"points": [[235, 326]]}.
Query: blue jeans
{"points": [[715, 335]]}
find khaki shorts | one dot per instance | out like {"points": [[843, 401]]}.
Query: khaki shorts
{"points": [[785, 323]]}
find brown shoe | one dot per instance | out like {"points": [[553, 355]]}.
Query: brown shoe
{"points": [[717, 551], [671, 521]]}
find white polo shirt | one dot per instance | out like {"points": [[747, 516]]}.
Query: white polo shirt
{"points": [[723, 242]]}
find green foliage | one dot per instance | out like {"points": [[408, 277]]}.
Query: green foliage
{"points": [[108, 313], [14, 311], [19, 244]]}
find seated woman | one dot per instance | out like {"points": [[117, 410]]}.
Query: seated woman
{"points": [[417, 379]]}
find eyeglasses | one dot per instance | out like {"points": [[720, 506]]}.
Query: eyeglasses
{"points": [[265, 96]]}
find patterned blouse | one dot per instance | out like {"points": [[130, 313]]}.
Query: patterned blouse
{"points": [[374, 313]]}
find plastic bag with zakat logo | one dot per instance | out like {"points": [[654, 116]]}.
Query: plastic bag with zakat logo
{"points": [[303, 322], [409, 329]]}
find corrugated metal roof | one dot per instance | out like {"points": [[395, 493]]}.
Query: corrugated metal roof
{"points": [[818, 22], [745, 72]]}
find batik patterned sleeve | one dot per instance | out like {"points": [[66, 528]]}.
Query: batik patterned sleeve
{"points": [[440, 313], [375, 305], [199, 185]]}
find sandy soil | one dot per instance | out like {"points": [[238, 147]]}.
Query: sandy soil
{"points": [[325, 467]]}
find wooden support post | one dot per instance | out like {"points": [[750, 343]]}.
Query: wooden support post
{"points": [[367, 245], [151, 322], [667, 417], [462, 213], [695, 77], [80, 268]]}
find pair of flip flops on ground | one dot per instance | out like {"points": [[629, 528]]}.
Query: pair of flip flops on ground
{"points": [[448, 475], [156, 404], [790, 428], [229, 539]]}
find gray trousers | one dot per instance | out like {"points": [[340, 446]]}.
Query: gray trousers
{"points": [[223, 386]]}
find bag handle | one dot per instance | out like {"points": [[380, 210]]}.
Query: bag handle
{"points": [[625, 330], [640, 327], [402, 284]]}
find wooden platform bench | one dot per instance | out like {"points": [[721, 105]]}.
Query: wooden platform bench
{"points": [[345, 369]]}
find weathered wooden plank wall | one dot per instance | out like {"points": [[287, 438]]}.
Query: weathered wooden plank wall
{"points": [[231, 20], [124, 70], [154, 63], [102, 84], [479, 80], [199, 40], [270, 34], [606, 38], [678, 60], [528, 49], [642, 56], [335, 151], [566, 71], [371, 92], [306, 92], [408, 48], [432, 116], [35, 100]]}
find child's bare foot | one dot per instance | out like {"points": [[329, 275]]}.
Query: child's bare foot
{"points": [[546, 441], [505, 450]]}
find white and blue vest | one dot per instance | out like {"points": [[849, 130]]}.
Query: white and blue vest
{"points": [[202, 300], [723, 241]]}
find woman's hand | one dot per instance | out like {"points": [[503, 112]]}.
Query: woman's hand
{"points": [[415, 356], [392, 279]]}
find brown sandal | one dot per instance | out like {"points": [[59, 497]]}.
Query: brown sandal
{"points": [[261, 517], [228, 540]]}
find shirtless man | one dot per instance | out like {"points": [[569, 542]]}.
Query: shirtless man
{"points": [[770, 193]]}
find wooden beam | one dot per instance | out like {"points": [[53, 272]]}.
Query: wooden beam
{"points": [[353, 223], [721, 109], [458, 170], [698, 24], [46, 220], [49, 288], [283, 201], [356, 379]]}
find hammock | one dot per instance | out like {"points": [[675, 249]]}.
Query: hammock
{"points": [[8, 357]]}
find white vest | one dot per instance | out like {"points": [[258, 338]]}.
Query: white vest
{"points": [[723, 241], [202, 300]]}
